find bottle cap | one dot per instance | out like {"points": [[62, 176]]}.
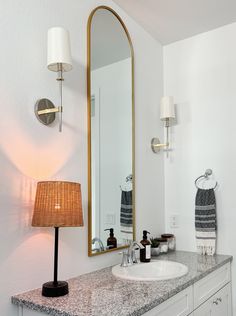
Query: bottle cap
{"points": [[162, 239], [167, 236], [145, 232]]}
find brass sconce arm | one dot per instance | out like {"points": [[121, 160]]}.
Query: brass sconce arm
{"points": [[52, 110], [45, 110], [156, 145]]}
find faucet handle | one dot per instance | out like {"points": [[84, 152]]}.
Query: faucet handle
{"points": [[133, 255], [138, 244], [124, 262]]}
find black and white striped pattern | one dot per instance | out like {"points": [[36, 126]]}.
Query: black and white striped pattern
{"points": [[126, 216], [205, 221]]}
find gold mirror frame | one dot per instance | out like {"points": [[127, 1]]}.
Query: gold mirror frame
{"points": [[90, 254]]}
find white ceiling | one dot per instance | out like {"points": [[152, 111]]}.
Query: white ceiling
{"points": [[172, 20]]}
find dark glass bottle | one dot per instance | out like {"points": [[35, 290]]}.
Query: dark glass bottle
{"points": [[145, 253], [111, 241]]}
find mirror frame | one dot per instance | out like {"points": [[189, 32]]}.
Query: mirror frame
{"points": [[90, 254]]}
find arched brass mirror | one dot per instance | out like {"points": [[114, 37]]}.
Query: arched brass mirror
{"points": [[110, 133]]}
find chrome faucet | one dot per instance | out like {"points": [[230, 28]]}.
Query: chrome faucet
{"points": [[129, 255], [98, 240]]}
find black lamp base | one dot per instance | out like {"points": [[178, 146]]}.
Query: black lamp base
{"points": [[50, 289]]}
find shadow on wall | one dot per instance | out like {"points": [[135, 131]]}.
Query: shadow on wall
{"points": [[74, 80], [16, 204]]}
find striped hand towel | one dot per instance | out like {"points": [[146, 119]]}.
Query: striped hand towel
{"points": [[205, 221], [126, 216]]}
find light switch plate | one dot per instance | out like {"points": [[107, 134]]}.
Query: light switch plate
{"points": [[110, 219]]}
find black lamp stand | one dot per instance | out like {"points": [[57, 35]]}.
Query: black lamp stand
{"points": [[55, 288]]}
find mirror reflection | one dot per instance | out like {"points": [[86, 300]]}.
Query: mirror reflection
{"points": [[110, 122]]}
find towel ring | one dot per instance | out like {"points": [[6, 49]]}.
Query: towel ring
{"points": [[208, 173]]}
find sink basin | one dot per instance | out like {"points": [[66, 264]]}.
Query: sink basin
{"points": [[151, 271]]}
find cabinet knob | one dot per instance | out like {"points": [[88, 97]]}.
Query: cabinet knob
{"points": [[216, 302]]}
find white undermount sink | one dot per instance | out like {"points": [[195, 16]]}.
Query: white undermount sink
{"points": [[151, 271]]}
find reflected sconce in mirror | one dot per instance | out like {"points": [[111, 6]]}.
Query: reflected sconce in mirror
{"points": [[167, 113], [58, 60]]}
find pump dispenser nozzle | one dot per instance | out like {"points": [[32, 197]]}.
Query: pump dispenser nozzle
{"points": [[111, 231], [145, 232]]}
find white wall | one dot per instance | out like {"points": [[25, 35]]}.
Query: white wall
{"points": [[30, 151], [200, 73]]}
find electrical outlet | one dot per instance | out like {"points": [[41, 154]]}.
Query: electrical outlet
{"points": [[174, 220]]}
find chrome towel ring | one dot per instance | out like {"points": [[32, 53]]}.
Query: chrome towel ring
{"points": [[208, 173]]}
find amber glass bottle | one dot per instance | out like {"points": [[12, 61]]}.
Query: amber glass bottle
{"points": [[145, 253], [111, 241]]}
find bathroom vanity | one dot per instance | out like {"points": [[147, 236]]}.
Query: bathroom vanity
{"points": [[204, 290], [209, 296]]}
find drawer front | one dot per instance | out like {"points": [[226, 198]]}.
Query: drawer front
{"points": [[219, 304], [29, 312], [209, 285], [179, 305]]}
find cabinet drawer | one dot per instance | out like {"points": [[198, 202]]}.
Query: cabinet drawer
{"points": [[180, 304], [209, 285], [28, 312], [218, 305]]}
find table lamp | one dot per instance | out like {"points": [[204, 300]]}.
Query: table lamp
{"points": [[57, 204]]}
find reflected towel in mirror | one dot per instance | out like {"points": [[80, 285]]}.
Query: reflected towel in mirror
{"points": [[126, 216]]}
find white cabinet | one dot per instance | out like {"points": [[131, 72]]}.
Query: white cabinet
{"points": [[218, 305], [212, 283], [210, 296], [28, 312], [181, 304]]}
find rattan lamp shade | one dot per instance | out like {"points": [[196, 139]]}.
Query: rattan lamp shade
{"points": [[58, 204]]}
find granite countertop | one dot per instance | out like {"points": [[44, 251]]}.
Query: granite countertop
{"points": [[98, 293]]}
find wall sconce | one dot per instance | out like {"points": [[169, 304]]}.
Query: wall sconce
{"points": [[167, 112], [58, 60]]}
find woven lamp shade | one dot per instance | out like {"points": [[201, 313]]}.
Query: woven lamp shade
{"points": [[58, 204]]}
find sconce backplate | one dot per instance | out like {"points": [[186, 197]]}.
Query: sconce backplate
{"points": [[43, 105], [155, 145]]}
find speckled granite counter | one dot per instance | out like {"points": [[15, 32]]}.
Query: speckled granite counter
{"points": [[98, 293]]}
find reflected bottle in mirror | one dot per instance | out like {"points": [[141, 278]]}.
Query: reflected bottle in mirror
{"points": [[111, 241]]}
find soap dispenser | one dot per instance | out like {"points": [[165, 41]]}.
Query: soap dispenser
{"points": [[111, 241], [145, 253]]}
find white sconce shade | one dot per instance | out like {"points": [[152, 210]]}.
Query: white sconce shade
{"points": [[167, 108], [59, 52]]}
